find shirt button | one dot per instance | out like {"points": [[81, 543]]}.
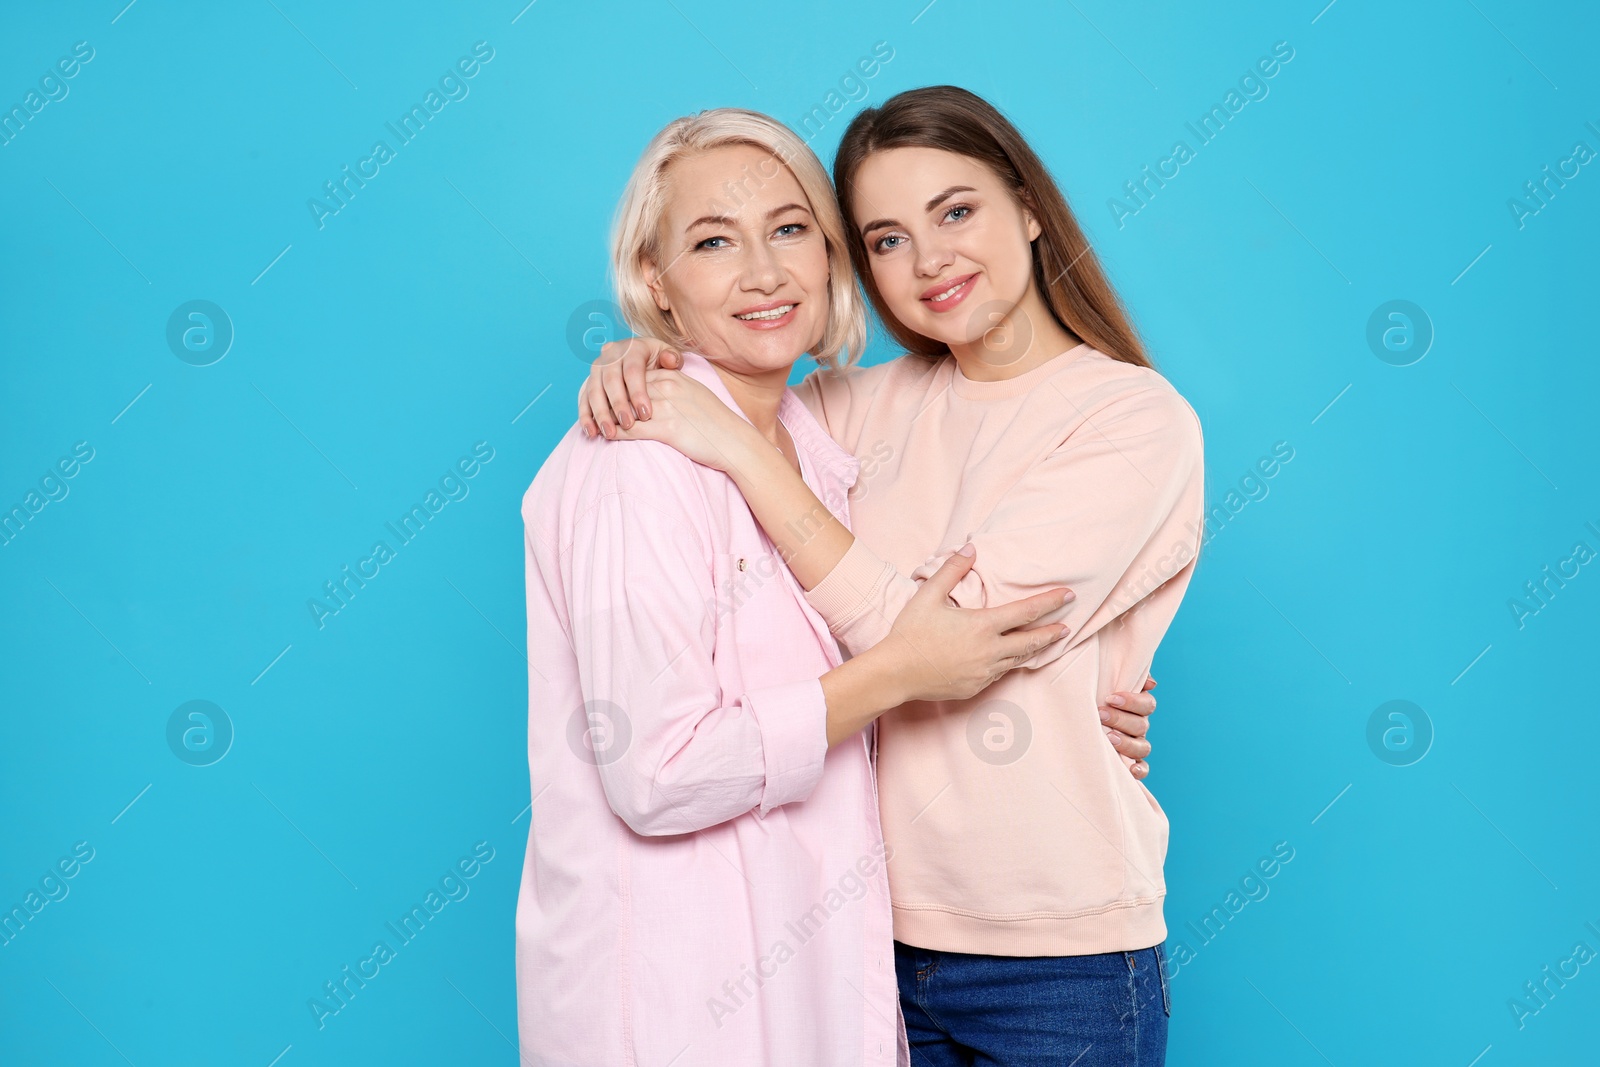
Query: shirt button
{"points": [[741, 563]]}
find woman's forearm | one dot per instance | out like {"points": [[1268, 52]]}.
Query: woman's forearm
{"points": [[859, 690], [808, 537]]}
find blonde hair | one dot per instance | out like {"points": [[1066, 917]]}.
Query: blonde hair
{"points": [[636, 231]]}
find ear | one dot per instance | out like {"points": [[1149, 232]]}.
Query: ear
{"points": [[658, 291], [1034, 229]]}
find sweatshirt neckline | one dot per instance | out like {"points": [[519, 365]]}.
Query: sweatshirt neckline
{"points": [[970, 389]]}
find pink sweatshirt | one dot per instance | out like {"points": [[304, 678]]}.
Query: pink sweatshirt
{"points": [[705, 879], [1015, 827]]}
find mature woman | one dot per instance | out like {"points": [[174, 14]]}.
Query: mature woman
{"points": [[1025, 418], [705, 877]]}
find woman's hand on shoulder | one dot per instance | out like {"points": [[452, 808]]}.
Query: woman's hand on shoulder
{"points": [[616, 394], [690, 418]]}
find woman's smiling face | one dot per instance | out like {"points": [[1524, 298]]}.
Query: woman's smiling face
{"points": [[746, 271], [948, 244]]}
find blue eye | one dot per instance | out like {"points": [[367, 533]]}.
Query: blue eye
{"points": [[959, 207], [708, 240], [796, 226], [882, 241]]}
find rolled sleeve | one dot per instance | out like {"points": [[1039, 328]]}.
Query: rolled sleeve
{"points": [[793, 720], [861, 597]]}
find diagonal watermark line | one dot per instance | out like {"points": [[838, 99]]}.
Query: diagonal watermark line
{"points": [[281, 1055], [1480, 1055], [1299, 631], [1113, 44], [1469, 266], [97, 230], [497, 630], [520, 1054], [1330, 403], [531, 803], [1502, 833], [523, 12], [1502, 433], [929, 804], [130, 804], [1323, 12], [501, 232], [132, 402], [90, 1021], [1330, 804], [532, 402], [1469, 666], [1513, 44], [313, 44], [924, 11], [1286, 1019], [714, 48], [302, 833], [269, 666], [269, 266], [307, 440], [97, 630], [1297, 229], [124, 11]]}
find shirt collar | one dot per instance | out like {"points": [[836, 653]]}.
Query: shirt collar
{"points": [[824, 452]]}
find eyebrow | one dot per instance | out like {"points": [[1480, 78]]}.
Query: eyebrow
{"points": [[724, 220], [881, 224]]}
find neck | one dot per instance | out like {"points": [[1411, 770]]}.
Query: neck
{"points": [[1024, 339], [758, 396]]}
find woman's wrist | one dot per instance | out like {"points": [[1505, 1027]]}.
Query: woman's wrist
{"points": [[859, 690], [745, 450]]}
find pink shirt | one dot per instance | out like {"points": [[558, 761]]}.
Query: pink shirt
{"points": [[705, 878]]}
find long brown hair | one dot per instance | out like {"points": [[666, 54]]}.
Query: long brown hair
{"points": [[1065, 267]]}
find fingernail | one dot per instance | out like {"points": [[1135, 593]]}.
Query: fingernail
{"points": [[644, 411], [1115, 701], [966, 550], [1105, 716]]}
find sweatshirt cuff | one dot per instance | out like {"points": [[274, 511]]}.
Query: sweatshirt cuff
{"points": [[793, 720], [856, 581]]}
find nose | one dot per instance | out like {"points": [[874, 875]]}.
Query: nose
{"points": [[761, 270], [933, 256]]}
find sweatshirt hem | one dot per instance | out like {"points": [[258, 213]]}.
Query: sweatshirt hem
{"points": [[1125, 926]]}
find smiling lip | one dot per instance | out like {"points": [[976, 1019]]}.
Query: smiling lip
{"points": [[768, 324], [964, 285]]}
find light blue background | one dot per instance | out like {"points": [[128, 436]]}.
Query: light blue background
{"points": [[431, 312]]}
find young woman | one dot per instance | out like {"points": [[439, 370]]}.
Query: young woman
{"points": [[1026, 881], [704, 882]]}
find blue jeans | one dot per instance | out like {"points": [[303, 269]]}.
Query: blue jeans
{"points": [[965, 1010]]}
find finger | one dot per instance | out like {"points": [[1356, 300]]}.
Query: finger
{"points": [[671, 359], [1022, 612], [1149, 683], [952, 570], [1132, 725], [616, 391], [585, 418], [1137, 703], [1139, 768], [633, 385], [1132, 747], [1017, 646], [600, 411]]}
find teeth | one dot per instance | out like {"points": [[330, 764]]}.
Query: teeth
{"points": [[759, 316], [947, 294]]}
